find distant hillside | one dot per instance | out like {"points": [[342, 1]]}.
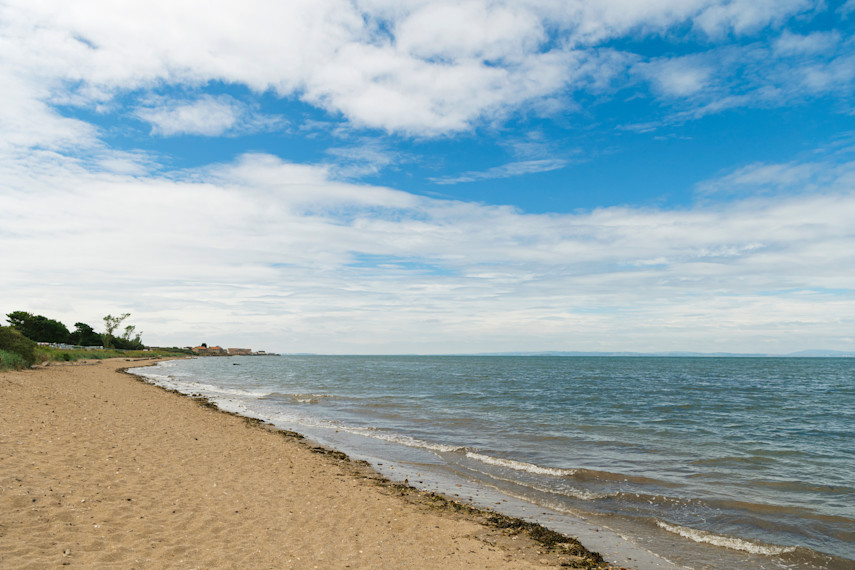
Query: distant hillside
{"points": [[823, 353]]}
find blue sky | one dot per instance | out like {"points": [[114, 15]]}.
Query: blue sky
{"points": [[370, 176]]}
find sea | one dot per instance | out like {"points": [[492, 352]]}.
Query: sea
{"points": [[656, 462]]}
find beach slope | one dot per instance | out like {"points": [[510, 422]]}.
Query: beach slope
{"points": [[99, 469]]}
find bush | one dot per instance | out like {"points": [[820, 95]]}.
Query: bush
{"points": [[11, 361], [13, 341]]}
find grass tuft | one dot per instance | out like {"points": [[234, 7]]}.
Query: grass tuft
{"points": [[11, 361]]}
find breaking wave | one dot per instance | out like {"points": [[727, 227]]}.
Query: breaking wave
{"points": [[725, 541], [520, 465]]}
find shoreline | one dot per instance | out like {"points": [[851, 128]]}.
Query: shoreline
{"points": [[99, 470]]}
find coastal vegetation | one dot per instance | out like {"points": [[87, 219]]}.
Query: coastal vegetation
{"points": [[35, 339], [16, 350], [37, 327]]}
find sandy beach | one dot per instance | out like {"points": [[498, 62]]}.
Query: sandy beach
{"points": [[99, 469]]}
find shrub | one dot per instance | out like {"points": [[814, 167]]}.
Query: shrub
{"points": [[11, 361], [13, 341]]}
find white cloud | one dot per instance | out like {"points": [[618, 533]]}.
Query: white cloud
{"points": [[26, 121], [470, 29], [302, 262], [786, 72], [821, 175], [207, 115], [789, 44], [422, 68], [741, 16], [365, 157], [678, 77]]}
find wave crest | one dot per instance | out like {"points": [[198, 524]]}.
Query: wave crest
{"points": [[520, 465], [725, 541]]}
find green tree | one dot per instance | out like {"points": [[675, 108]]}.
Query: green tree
{"points": [[124, 341], [111, 323], [11, 340], [19, 319], [84, 335], [37, 327], [129, 330]]}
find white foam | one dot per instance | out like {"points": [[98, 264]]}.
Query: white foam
{"points": [[192, 386], [520, 465], [309, 398], [571, 492], [236, 391], [725, 541], [403, 440]]}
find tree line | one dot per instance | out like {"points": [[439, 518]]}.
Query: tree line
{"points": [[42, 329]]}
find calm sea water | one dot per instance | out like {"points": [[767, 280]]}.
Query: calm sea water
{"points": [[746, 462]]}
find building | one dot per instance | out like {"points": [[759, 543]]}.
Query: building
{"points": [[208, 350]]}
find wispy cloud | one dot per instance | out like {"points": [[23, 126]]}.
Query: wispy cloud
{"points": [[785, 71], [366, 157], [504, 171], [822, 174]]}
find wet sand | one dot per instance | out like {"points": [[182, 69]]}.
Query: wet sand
{"points": [[99, 469]]}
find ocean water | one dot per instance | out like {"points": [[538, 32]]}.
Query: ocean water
{"points": [[704, 462]]}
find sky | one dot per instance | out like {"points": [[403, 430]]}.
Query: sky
{"points": [[428, 177]]}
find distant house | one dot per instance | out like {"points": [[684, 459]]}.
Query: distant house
{"points": [[239, 351]]}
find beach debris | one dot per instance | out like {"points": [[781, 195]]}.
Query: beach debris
{"points": [[289, 433], [330, 452], [204, 401], [253, 422]]}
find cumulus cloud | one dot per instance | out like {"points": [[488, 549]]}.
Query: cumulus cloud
{"points": [[678, 77], [424, 68], [207, 115]]}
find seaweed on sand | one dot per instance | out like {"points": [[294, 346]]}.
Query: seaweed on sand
{"points": [[574, 554], [330, 453]]}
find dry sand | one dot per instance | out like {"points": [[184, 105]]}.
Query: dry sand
{"points": [[98, 469]]}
